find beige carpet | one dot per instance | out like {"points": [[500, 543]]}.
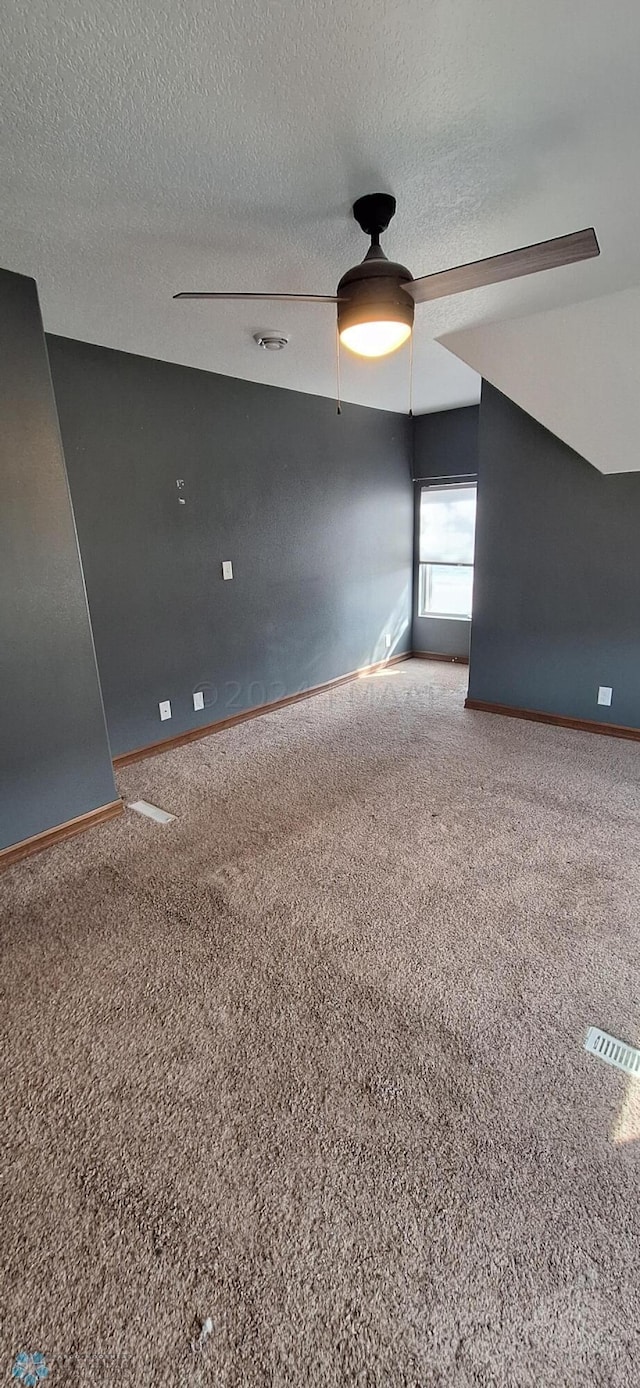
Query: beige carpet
{"points": [[309, 1060]]}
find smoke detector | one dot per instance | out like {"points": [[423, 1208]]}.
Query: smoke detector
{"points": [[272, 342]]}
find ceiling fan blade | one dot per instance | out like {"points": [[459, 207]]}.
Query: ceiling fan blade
{"points": [[283, 298], [545, 255]]}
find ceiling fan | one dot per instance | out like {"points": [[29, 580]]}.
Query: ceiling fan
{"points": [[376, 299]]}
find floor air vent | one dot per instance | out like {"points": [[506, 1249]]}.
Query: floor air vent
{"points": [[615, 1052], [151, 811]]}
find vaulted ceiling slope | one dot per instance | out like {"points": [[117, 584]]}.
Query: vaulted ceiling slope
{"points": [[150, 148], [575, 369]]}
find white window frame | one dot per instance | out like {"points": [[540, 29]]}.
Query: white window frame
{"points": [[426, 565]]}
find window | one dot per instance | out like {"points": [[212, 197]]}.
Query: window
{"points": [[447, 529]]}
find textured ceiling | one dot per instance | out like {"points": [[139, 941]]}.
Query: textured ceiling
{"points": [[575, 369], [151, 148]]}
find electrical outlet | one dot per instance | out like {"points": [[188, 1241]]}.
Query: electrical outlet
{"points": [[605, 695], [227, 568], [387, 641], [198, 700], [165, 709]]}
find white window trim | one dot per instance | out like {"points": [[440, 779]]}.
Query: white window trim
{"points": [[425, 564]]}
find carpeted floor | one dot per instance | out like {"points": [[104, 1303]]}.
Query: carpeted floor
{"points": [[309, 1060]]}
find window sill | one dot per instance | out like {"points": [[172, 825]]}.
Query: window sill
{"points": [[442, 617]]}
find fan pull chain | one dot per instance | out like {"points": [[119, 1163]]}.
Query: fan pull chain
{"points": [[411, 376], [338, 404]]}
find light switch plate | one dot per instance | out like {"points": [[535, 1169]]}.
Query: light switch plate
{"points": [[605, 695], [198, 699], [165, 709], [227, 568]]}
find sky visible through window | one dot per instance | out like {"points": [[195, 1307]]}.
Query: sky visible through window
{"points": [[447, 532], [447, 525]]}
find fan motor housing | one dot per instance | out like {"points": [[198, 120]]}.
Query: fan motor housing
{"points": [[374, 289]]}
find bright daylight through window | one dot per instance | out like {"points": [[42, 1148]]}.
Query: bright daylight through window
{"points": [[447, 530]]}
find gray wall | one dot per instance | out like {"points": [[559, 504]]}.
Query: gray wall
{"points": [[557, 576], [55, 760], [445, 448], [314, 510]]}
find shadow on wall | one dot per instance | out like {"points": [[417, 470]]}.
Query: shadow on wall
{"points": [[233, 697], [314, 512]]}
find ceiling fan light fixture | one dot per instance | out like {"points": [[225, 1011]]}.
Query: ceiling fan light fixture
{"points": [[375, 313], [376, 299], [376, 338]]}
